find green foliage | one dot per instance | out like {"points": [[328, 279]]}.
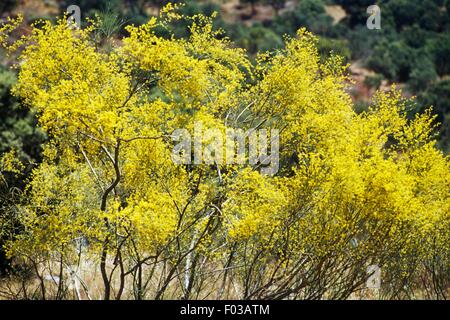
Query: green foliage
{"points": [[392, 59], [440, 49], [191, 8], [336, 46], [438, 96], [374, 81], [256, 38], [18, 132], [18, 126], [309, 13], [7, 5], [422, 74], [412, 46]]}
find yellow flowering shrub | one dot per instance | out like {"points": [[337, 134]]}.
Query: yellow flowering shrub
{"points": [[9, 162], [353, 190], [253, 207]]}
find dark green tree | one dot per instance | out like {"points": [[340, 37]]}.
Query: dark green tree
{"points": [[18, 131]]}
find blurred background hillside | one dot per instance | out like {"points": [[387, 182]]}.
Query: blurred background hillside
{"points": [[412, 48]]}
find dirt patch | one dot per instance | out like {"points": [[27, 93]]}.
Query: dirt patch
{"points": [[336, 12], [38, 8], [233, 11]]}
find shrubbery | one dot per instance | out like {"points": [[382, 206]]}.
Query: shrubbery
{"points": [[354, 189]]}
